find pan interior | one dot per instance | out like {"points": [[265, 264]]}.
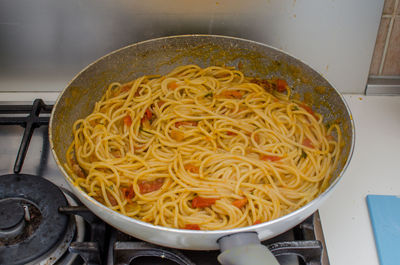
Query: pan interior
{"points": [[160, 56]]}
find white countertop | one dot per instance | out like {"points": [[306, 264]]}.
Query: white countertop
{"points": [[374, 169]]}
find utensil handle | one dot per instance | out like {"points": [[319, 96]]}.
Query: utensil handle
{"points": [[244, 249]]}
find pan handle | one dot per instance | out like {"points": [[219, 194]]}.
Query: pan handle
{"points": [[244, 249]]}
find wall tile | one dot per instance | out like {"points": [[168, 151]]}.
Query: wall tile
{"points": [[392, 60], [379, 45], [388, 7], [398, 8]]}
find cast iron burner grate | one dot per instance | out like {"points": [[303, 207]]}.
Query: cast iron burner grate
{"points": [[29, 122], [304, 244]]}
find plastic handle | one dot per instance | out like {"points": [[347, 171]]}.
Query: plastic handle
{"points": [[244, 249]]}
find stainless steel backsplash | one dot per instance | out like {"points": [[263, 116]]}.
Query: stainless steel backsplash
{"points": [[44, 43]]}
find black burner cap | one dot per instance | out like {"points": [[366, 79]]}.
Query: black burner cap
{"points": [[11, 214], [47, 198]]}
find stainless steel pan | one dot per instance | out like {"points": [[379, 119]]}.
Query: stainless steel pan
{"points": [[161, 55]]}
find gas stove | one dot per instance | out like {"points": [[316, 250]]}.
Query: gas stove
{"points": [[42, 222]]}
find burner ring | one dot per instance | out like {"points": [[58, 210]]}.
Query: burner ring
{"points": [[11, 218], [47, 198]]}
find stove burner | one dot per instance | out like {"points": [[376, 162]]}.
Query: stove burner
{"points": [[46, 227], [19, 219], [29, 222], [11, 219]]}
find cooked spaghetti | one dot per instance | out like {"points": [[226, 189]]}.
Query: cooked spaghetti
{"points": [[205, 149]]}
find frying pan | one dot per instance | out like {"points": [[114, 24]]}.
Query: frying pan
{"points": [[159, 56]]}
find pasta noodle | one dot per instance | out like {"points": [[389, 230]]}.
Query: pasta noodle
{"points": [[207, 149]]}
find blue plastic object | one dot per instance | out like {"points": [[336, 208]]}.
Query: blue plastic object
{"points": [[384, 212]]}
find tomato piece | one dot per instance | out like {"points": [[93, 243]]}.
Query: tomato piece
{"points": [[236, 94], [125, 192], [230, 133], [146, 118], [172, 85], [77, 169], [128, 193], [309, 110], [281, 85], [330, 138], [150, 186], [270, 158], [191, 168], [264, 83], [137, 93], [126, 87], [232, 94], [148, 114], [93, 123], [111, 198], [200, 202], [307, 142], [128, 120], [192, 227], [257, 222], [185, 123], [240, 202], [177, 135], [160, 103]]}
